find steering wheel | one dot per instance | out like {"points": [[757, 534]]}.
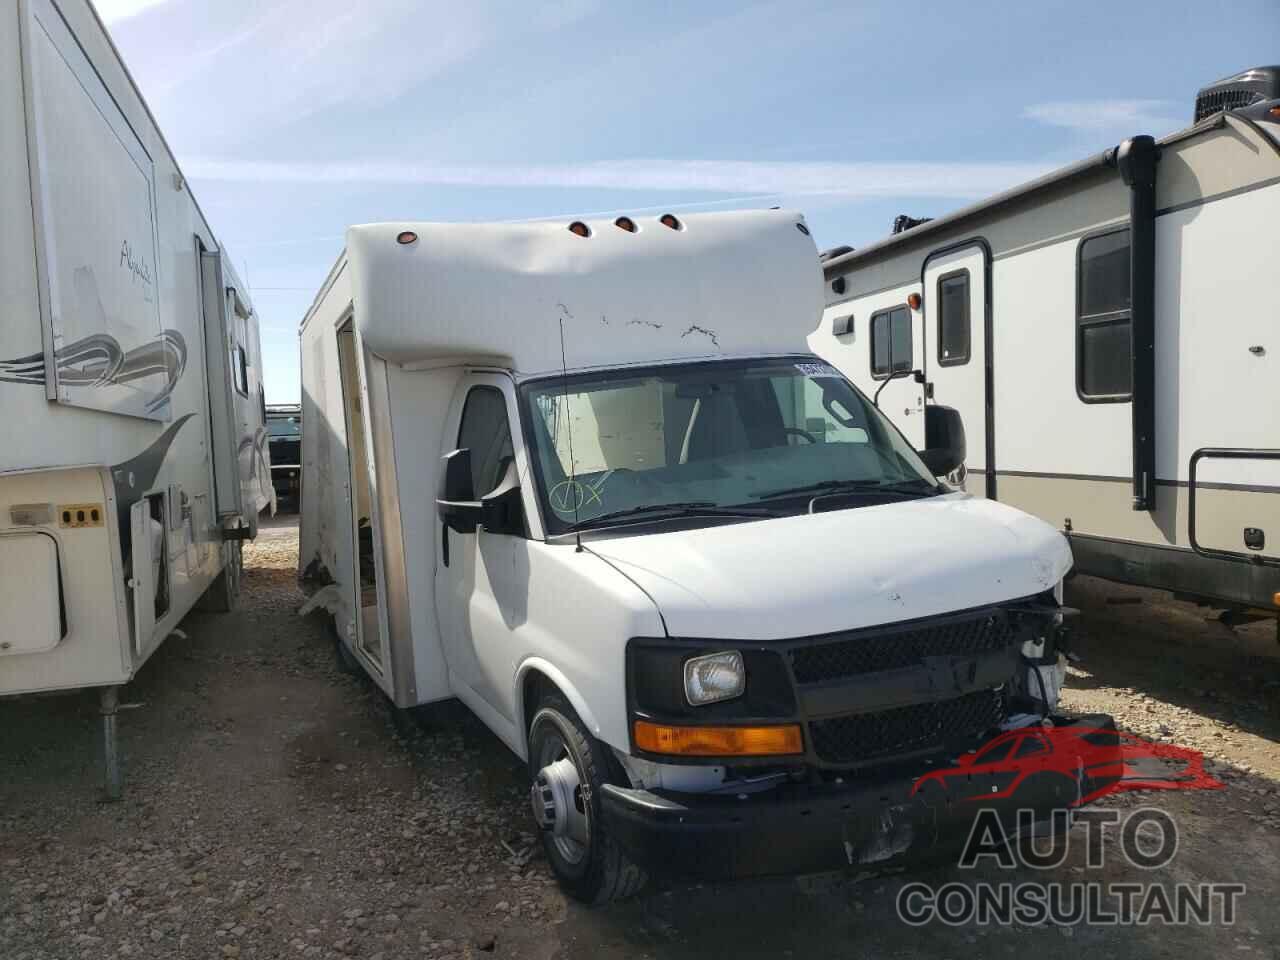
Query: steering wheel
{"points": [[800, 433]]}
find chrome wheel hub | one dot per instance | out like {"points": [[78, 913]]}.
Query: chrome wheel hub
{"points": [[559, 807]]}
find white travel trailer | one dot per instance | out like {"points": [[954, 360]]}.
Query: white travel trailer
{"points": [[134, 457], [588, 480], [1109, 336]]}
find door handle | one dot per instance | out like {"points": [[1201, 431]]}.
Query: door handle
{"points": [[444, 544]]}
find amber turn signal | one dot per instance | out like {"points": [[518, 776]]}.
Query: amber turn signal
{"points": [[913, 301], [718, 741]]}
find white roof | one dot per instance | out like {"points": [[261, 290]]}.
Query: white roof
{"points": [[741, 283]]}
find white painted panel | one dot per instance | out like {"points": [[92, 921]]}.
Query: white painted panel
{"points": [[1041, 423], [97, 214], [418, 441], [29, 609], [902, 400], [737, 283], [145, 573], [1218, 337]]}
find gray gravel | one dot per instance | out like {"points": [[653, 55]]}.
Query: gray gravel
{"points": [[274, 808]]}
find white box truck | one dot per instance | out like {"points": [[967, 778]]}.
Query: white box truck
{"points": [[134, 457], [588, 479]]}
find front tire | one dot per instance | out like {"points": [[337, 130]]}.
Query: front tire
{"points": [[568, 767]]}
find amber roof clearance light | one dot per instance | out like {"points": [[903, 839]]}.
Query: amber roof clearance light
{"points": [[406, 237], [669, 220], [580, 229], [625, 223]]}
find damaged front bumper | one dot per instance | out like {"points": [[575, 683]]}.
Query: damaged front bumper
{"points": [[866, 822]]}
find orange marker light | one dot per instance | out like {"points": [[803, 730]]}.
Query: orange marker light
{"points": [[669, 220], [1276, 599], [625, 223], [406, 237], [580, 228], [913, 301], [719, 741]]}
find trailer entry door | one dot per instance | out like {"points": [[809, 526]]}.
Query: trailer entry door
{"points": [[955, 309]]}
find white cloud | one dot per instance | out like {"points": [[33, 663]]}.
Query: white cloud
{"points": [[1094, 116], [112, 11], [961, 180]]}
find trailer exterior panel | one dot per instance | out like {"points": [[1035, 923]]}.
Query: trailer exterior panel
{"points": [[1057, 402], [124, 322]]}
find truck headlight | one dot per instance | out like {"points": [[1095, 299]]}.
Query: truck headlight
{"points": [[714, 677]]}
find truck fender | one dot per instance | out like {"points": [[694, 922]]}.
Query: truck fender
{"points": [[570, 692]]}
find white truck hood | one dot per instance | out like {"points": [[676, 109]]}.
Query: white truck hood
{"points": [[820, 573]]}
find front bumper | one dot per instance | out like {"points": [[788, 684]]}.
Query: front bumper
{"points": [[864, 823]]}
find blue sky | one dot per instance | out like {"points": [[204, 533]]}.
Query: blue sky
{"points": [[295, 118]]}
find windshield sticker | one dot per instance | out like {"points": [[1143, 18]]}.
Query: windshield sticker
{"points": [[817, 370]]}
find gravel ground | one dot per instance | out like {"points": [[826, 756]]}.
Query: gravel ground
{"points": [[276, 808]]}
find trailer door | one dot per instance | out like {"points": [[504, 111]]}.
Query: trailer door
{"points": [[222, 426], [955, 310]]}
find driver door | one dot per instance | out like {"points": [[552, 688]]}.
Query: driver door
{"points": [[473, 569]]}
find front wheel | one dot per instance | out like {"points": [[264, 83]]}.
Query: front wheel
{"points": [[568, 768]]}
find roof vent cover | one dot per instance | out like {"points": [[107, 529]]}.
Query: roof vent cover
{"points": [[1238, 91]]}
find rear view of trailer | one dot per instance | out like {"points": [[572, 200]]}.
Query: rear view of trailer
{"points": [[135, 457]]}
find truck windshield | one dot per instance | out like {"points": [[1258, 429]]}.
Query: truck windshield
{"points": [[764, 433]]}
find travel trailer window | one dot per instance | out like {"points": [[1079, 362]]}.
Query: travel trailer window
{"points": [[729, 433], [1103, 341], [890, 341], [486, 433], [953, 318], [239, 356]]}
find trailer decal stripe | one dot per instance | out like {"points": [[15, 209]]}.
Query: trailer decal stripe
{"points": [[97, 360]]}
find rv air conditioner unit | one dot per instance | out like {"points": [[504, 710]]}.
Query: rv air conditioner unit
{"points": [[1238, 91]]}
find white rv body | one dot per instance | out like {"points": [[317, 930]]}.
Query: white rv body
{"points": [[1010, 271], [418, 322], [130, 369]]}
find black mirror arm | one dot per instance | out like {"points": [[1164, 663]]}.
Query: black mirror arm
{"points": [[896, 375]]}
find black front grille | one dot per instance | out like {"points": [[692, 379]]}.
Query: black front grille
{"points": [[872, 651], [1211, 102], [919, 728]]}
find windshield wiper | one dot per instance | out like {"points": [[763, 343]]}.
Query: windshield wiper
{"points": [[832, 487], [689, 508]]}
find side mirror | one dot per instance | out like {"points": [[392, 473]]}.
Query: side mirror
{"points": [[502, 510], [944, 443], [458, 507], [917, 375]]}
